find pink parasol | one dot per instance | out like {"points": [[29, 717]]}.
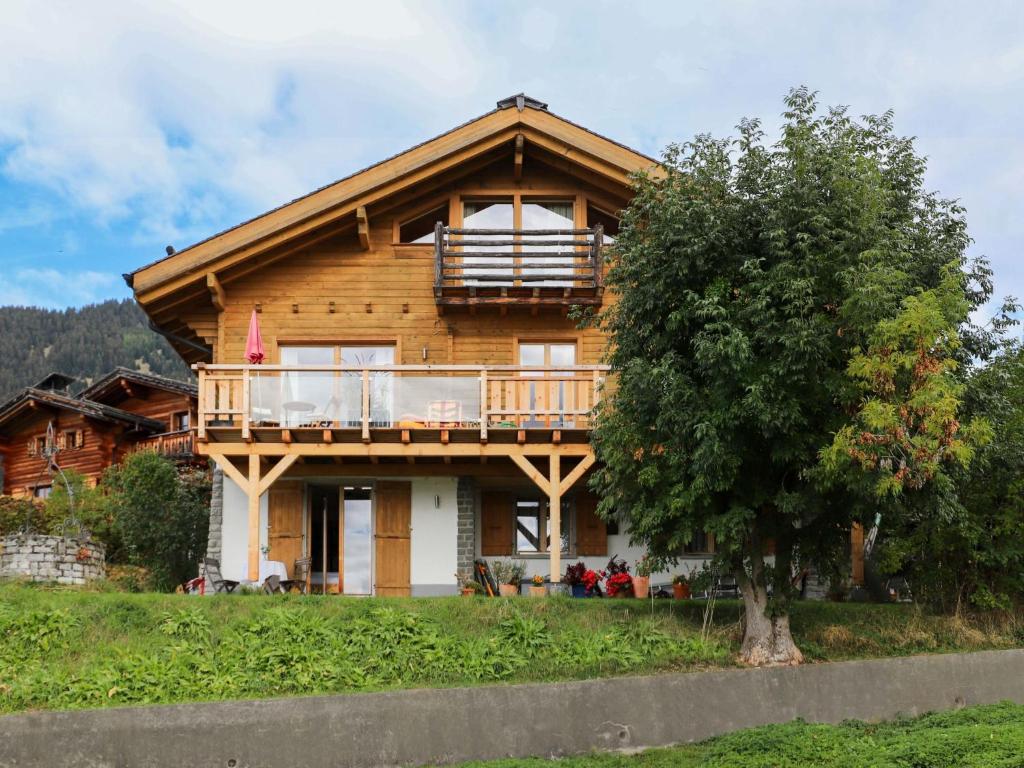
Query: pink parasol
{"points": [[254, 343]]}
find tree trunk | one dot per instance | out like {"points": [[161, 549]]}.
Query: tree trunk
{"points": [[767, 641]]}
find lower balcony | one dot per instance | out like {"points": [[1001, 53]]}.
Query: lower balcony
{"points": [[410, 404], [178, 445]]}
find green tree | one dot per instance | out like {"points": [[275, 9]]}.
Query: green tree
{"points": [[73, 499], [162, 514], [759, 288]]}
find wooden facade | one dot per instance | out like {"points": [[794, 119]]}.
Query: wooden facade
{"points": [[405, 259], [123, 412]]}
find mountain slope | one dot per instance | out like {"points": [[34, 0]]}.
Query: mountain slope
{"points": [[85, 343]]}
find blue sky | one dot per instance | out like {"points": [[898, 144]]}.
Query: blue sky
{"points": [[128, 126]]}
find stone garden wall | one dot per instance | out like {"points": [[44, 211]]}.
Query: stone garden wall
{"points": [[51, 558]]}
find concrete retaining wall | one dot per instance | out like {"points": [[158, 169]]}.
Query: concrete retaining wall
{"points": [[452, 725], [51, 558]]}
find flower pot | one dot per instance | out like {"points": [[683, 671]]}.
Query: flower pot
{"points": [[681, 591], [641, 586], [508, 590], [468, 591], [540, 591], [578, 590]]}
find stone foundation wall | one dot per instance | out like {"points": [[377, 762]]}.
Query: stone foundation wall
{"points": [[52, 558]]}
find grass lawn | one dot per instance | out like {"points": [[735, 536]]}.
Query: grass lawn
{"points": [[61, 648], [979, 737]]}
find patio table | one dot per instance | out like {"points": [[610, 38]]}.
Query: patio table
{"points": [[272, 568]]}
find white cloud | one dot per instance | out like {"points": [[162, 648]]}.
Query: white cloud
{"points": [[53, 289]]}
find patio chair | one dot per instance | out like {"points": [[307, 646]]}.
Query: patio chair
{"points": [[300, 575], [272, 586], [444, 413], [211, 571]]}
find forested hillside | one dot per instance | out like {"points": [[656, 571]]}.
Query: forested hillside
{"points": [[84, 343]]}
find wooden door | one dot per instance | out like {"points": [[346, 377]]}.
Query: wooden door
{"points": [[392, 528], [496, 534], [284, 523]]}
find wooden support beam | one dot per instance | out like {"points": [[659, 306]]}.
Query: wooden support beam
{"points": [[520, 142], [556, 436], [577, 472], [521, 436], [328, 436], [419, 449], [275, 472], [555, 516], [405, 437], [445, 437], [286, 436], [363, 227], [229, 469], [532, 472], [216, 291], [252, 492]]}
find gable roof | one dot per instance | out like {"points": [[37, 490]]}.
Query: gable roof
{"points": [[516, 115], [56, 381], [112, 380], [98, 411]]}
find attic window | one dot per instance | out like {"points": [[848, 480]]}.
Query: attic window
{"points": [[421, 228], [610, 222]]}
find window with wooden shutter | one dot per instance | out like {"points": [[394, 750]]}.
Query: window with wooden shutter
{"points": [[496, 515], [591, 532]]}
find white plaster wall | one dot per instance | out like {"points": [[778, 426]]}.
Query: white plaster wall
{"points": [[234, 555], [434, 531]]}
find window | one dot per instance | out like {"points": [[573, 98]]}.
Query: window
{"points": [[420, 229], [37, 445], [555, 214], [531, 518], [42, 491], [609, 221], [488, 214], [548, 401], [72, 439], [320, 398], [702, 543], [182, 421]]}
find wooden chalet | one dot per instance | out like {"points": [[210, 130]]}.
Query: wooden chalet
{"points": [[426, 398], [124, 411]]}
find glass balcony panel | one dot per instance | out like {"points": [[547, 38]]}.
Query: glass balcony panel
{"points": [[440, 402]]}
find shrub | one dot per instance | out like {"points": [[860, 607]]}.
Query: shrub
{"points": [[89, 505], [162, 515], [15, 513]]}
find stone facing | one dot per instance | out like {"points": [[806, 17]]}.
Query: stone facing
{"points": [[52, 558], [466, 546]]}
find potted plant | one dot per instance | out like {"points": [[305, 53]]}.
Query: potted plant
{"points": [[582, 581], [470, 586], [508, 574], [537, 588], [680, 587], [618, 582], [642, 578]]}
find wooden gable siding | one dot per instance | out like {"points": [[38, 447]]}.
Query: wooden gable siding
{"points": [[385, 293], [158, 404], [21, 471]]}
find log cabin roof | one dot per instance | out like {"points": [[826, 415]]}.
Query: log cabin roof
{"points": [[115, 380], [515, 116], [30, 398]]}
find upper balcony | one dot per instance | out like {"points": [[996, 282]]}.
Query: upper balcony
{"points": [[518, 267], [401, 404], [178, 445]]}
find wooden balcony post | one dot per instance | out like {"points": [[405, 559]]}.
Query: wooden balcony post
{"points": [[246, 411], [555, 518], [366, 405], [438, 257], [201, 408], [253, 494], [483, 405]]}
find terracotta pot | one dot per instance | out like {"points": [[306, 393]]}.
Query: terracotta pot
{"points": [[508, 590], [540, 591], [681, 591], [468, 591], [641, 586]]}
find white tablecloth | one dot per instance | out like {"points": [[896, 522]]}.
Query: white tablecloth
{"points": [[272, 568]]}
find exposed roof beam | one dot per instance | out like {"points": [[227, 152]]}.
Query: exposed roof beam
{"points": [[216, 291], [363, 227], [518, 161]]}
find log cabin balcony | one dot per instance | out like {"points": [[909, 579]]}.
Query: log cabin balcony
{"points": [[395, 410], [506, 268], [177, 445]]}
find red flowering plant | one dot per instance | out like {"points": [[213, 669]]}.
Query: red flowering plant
{"points": [[617, 578], [591, 580]]}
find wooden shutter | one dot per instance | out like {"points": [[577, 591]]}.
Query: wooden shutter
{"points": [[284, 518], [857, 553], [392, 528], [495, 524], [591, 532]]}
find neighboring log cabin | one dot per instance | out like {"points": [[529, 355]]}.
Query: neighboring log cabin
{"points": [[426, 398], [122, 412]]}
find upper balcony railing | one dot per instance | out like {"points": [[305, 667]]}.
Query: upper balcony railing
{"points": [[405, 397], [498, 263]]}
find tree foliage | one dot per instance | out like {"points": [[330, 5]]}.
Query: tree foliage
{"points": [[162, 514], [772, 297], [87, 343]]}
